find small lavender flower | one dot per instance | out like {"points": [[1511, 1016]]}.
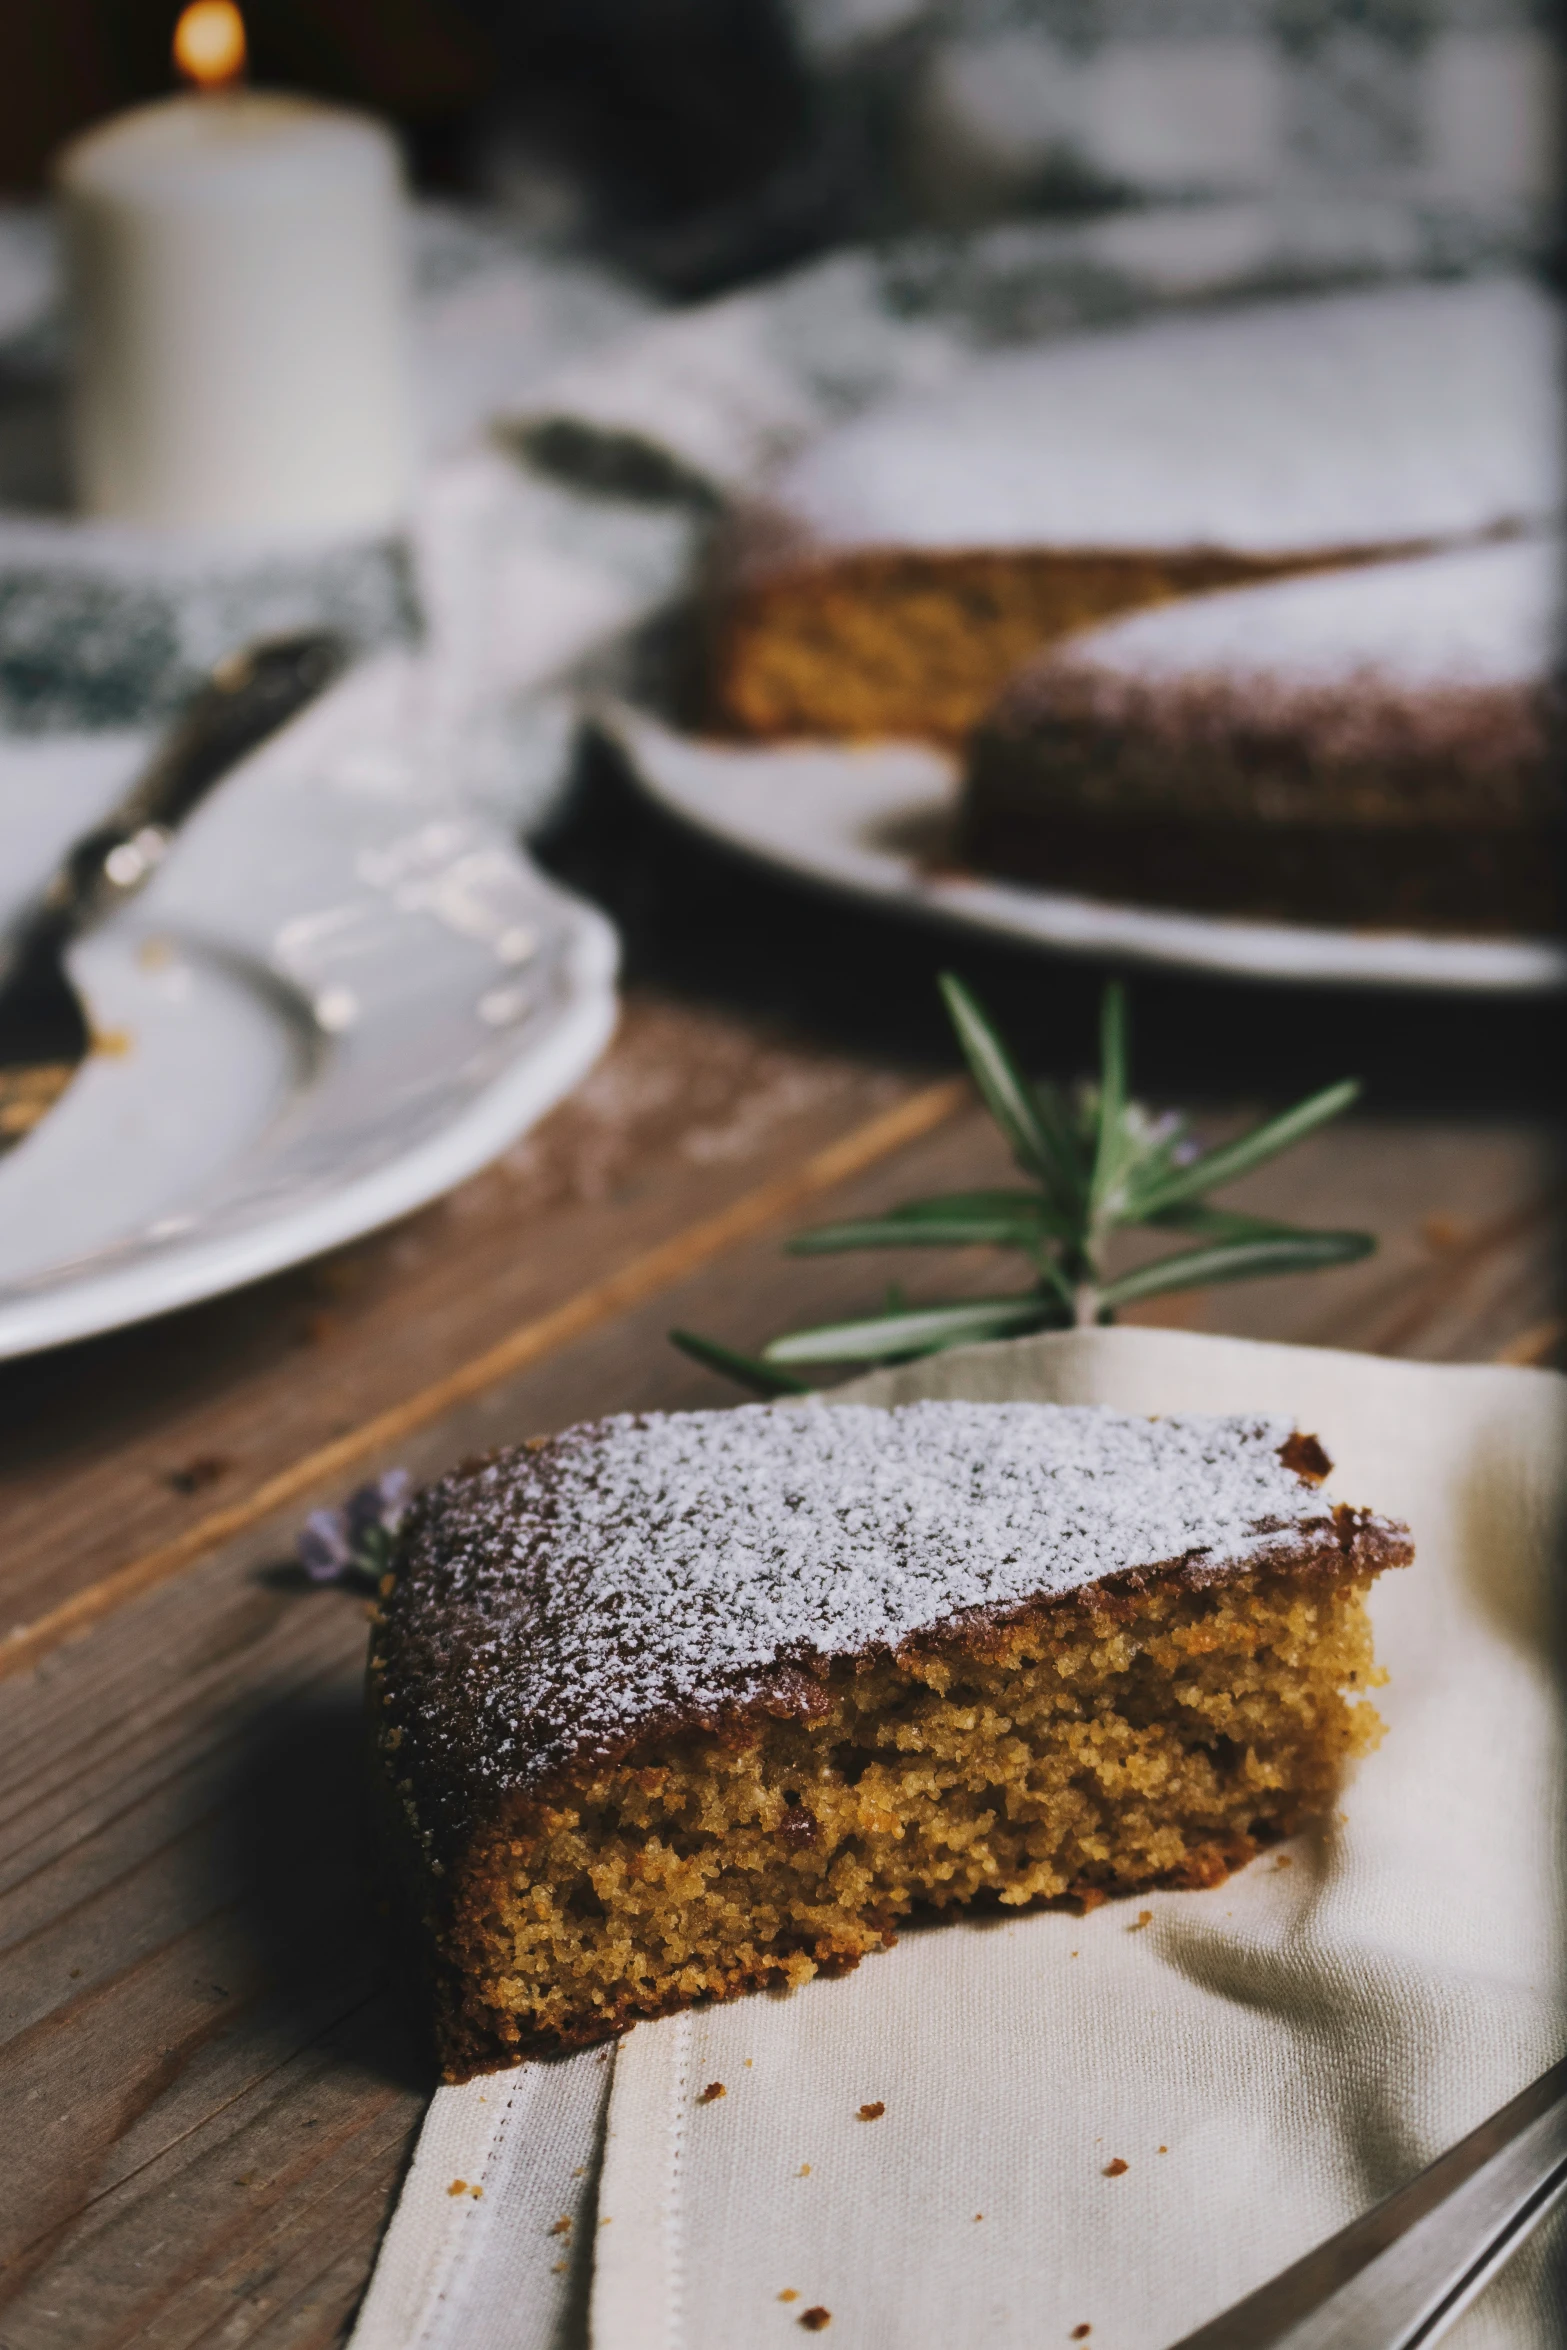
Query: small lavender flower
{"points": [[323, 1546], [353, 1544], [378, 1507], [1168, 1131]]}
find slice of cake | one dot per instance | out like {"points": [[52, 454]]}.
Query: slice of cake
{"points": [[908, 562], [666, 1707], [1373, 747]]}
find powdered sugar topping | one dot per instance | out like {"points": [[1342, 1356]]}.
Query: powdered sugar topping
{"points": [[646, 1569], [1350, 420], [1482, 616]]}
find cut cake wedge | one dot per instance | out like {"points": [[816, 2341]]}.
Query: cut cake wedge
{"points": [[670, 1706], [906, 563]]}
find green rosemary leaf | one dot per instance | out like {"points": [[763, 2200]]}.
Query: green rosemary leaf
{"points": [[1060, 1126], [1236, 1260], [1220, 1223], [1004, 1090], [921, 1330], [974, 1219], [972, 1203], [957, 1232], [745, 1369], [1053, 1280], [1231, 1159], [1111, 1139]]}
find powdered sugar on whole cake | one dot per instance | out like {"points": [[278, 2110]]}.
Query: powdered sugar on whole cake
{"points": [[665, 1567], [1373, 419], [1478, 617]]}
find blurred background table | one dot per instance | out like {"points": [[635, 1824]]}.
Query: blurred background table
{"points": [[217, 2086]]}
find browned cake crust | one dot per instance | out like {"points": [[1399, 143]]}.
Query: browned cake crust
{"points": [[603, 1807], [1360, 804]]}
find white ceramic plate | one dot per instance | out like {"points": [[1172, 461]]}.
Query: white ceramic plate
{"points": [[871, 819], [344, 993]]}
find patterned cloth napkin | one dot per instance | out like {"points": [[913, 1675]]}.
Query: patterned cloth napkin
{"points": [[1102, 2128], [1003, 99]]}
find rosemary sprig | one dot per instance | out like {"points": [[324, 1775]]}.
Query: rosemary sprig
{"points": [[1096, 1162], [746, 1370]]}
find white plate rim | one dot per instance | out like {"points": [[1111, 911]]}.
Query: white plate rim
{"points": [[187, 1273], [668, 767], [254, 858]]}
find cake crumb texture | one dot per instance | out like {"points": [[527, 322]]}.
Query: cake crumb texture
{"points": [[1094, 1752], [919, 641]]}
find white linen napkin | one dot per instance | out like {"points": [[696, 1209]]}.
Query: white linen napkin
{"points": [[486, 2248], [1265, 2060]]}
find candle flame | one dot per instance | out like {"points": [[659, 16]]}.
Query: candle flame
{"points": [[209, 44]]}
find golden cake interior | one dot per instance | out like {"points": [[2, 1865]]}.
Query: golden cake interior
{"points": [[1103, 1745], [917, 642]]}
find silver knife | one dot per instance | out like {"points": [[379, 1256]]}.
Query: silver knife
{"points": [[247, 698], [1397, 2278]]}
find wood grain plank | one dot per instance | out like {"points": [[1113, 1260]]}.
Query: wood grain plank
{"points": [[196, 2016]]}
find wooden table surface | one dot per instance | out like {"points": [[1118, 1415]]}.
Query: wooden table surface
{"points": [[208, 2084]]}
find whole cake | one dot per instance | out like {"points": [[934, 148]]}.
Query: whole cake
{"points": [[909, 561], [1374, 747], [669, 1706]]}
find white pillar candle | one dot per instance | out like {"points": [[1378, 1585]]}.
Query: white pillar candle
{"points": [[237, 262]]}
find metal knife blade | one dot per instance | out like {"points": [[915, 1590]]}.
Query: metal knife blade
{"points": [[1398, 2277], [248, 697]]}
